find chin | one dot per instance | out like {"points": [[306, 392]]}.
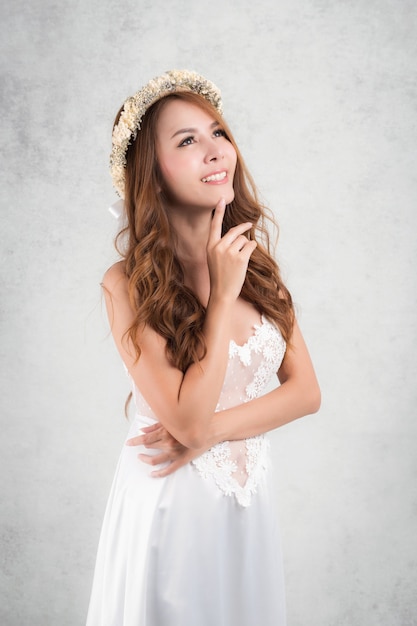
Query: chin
{"points": [[229, 197]]}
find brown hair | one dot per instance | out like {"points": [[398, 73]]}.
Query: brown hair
{"points": [[155, 275]]}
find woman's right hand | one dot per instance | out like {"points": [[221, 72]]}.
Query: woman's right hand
{"points": [[228, 256], [171, 453]]}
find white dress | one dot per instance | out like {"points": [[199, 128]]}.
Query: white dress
{"points": [[201, 546]]}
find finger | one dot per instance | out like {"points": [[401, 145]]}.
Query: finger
{"points": [[235, 232], [135, 441], [239, 243], [153, 444], [244, 247], [246, 252], [166, 471], [217, 221], [154, 459], [150, 429], [145, 440], [146, 430]]}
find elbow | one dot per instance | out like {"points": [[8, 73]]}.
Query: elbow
{"points": [[313, 399], [194, 438], [192, 442]]}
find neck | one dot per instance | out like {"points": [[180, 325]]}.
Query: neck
{"points": [[192, 235]]}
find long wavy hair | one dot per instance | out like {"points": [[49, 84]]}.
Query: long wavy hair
{"points": [[147, 243]]}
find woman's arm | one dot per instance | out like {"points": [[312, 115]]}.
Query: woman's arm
{"points": [[298, 395], [185, 403]]}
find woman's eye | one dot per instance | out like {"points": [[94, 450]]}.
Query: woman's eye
{"points": [[219, 132], [187, 141]]}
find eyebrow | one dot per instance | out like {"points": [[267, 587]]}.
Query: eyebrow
{"points": [[192, 130]]}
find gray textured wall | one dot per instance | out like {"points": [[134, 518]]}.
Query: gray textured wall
{"points": [[322, 97]]}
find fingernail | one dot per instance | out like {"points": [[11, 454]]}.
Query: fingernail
{"points": [[222, 202]]}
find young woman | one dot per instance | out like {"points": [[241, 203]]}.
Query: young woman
{"points": [[202, 320]]}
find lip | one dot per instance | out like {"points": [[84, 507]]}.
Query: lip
{"points": [[216, 182]]}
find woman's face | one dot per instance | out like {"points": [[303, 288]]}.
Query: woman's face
{"points": [[196, 160]]}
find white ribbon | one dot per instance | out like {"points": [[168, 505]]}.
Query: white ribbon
{"points": [[117, 209]]}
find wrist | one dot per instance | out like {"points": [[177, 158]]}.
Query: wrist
{"points": [[219, 315], [215, 434], [218, 299]]}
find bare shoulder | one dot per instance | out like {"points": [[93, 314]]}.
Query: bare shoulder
{"points": [[115, 279], [116, 295], [122, 316]]}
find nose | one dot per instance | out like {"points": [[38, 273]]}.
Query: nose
{"points": [[213, 151]]}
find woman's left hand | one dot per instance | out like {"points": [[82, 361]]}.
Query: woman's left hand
{"points": [[171, 450]]}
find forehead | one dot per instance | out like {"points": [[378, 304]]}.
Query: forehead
{"points": [[177, 113]]}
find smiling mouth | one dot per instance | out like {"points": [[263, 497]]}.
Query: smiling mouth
{"points": [[215, 177]]}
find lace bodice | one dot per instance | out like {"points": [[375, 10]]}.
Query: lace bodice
{"points": [[237, 466]]}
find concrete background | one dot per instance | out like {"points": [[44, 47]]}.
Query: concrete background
{"points": [[322, 98]]}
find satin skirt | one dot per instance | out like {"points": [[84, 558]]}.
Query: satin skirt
{"points": [[176, 551]]}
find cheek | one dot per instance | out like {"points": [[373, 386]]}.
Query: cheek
{"points": [[232, 156], [174, 169], [165, 167]]}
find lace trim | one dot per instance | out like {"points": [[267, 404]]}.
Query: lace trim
{"points": [[217, 464], [268, 341]]}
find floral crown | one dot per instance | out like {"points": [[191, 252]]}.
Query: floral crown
{"points": [[135, 107]]}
